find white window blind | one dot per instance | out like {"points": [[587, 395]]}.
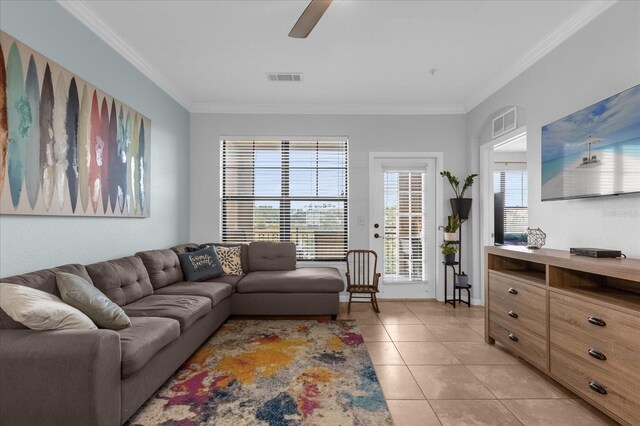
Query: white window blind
{"points": [[403, 226], [513, 183], [287, 191]]}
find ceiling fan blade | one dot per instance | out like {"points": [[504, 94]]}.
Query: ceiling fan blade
{"points": [[309, 18]]}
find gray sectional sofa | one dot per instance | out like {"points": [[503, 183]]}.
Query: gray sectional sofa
{"points": [[101, 377]]}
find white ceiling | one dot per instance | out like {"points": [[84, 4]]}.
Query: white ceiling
{"points": [[362, 57]]}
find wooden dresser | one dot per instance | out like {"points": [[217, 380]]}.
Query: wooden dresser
{"points": [[575, 318]]}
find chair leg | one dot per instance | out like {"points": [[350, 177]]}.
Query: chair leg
{"points": [[374, 302], [349, 305]]}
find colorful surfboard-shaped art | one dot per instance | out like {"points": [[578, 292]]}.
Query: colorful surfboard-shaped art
{"points": [[66, 147], [132, 196], [19, 120], [32, 158], [96, 154], [113, 157], [60, 143], [47, 139], [140, 163], [84, 150], [123, 138], [71, 126], [4, 125], [104, 164]]}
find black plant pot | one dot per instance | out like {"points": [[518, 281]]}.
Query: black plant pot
{"points": [[449, 258], [461, 207]]}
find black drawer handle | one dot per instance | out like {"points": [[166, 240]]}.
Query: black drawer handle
{"points": [[512, 290], [596, 354], [513, 337], [597, 387], [513, 314], [596, 321]]}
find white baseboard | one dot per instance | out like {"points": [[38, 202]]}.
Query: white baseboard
{"points": [[344, 297]]}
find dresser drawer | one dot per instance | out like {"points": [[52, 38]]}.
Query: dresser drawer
{"points": [[617, 340], [531, 346], [515, 292], [519, 304], [621, 397]]}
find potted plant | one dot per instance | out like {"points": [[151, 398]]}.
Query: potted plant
{"points": [[450, 229], [462, 279], [449, 251], [460, 206]]}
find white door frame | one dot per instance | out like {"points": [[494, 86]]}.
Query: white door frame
{"points": [[486, 195], [438, 210]]}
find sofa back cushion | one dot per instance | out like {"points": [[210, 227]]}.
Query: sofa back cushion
{"points": [[163, 267], [270, 256], [123, 280], [184, 248], [244, 252], [44, 280]]}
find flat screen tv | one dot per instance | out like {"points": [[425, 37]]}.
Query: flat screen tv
{"points": [[595, 151]]}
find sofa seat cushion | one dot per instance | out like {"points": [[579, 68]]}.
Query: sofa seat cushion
{"points": [[185, 309], [232, 280], [302, 280], [140, 342], [216, 292]]}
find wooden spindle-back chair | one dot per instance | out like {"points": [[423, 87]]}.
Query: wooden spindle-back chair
{"points": [[362, 277]]}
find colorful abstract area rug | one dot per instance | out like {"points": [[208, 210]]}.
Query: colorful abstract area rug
{"points": [[276, 373]]}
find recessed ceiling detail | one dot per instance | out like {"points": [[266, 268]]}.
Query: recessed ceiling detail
{"points": [[371, 57]]}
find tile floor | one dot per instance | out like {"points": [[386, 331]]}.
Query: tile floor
{"points": [[435, 369]]}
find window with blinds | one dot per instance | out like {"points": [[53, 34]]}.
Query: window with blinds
{"points": [[513, 183], [287, 191], [403, 226]]}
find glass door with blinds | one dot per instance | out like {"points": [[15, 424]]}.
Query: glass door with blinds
{"points": [[403, 200], [287, 190]]}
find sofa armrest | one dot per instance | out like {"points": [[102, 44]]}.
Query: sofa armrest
{"points": [[59, 377]]}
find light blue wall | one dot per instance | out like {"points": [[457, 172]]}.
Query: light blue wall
{"points": [[33, 242]]}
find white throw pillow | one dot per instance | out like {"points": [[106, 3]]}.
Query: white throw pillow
{"points": [[40, 310]]}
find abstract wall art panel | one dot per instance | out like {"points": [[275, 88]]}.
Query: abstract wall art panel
{"points": [[595, 151], [66, 147]]}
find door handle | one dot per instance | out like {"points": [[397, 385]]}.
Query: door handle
{"points": [[376, 235], [513, 291]]}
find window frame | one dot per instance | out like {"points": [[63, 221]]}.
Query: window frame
{"points": [[285, 199]]}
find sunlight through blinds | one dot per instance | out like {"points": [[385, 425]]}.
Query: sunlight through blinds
{"points": [[287, 191], [513, 183], [403, 226]]}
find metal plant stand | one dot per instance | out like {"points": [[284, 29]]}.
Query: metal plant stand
{"points": [[453, 265]]}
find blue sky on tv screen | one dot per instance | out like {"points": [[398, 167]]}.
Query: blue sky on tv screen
{"points": [[614, 120]]}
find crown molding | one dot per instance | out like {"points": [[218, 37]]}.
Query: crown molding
{"points": [[344, 109], [83, 13], [589, 11]]}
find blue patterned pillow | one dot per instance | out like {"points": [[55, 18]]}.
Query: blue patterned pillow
{"points": [[200, 265]]}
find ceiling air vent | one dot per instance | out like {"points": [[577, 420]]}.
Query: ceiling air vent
{"points": [[504, 123], [285, 76]]}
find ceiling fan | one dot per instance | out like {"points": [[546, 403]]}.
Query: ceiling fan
{"points": [[309, 18]]}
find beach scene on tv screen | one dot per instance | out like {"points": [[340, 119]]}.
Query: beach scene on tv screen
{"points": [[594, 151]]}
